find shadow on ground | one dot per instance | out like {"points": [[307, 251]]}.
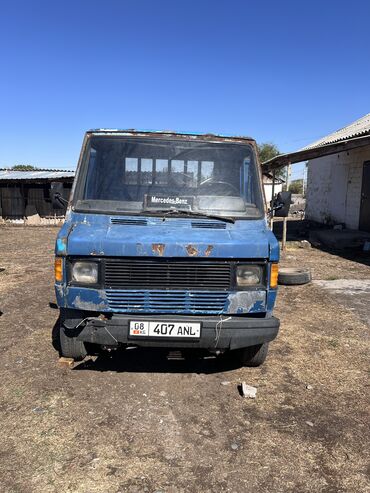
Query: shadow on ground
{"points": [[298, 230], [143, 360]]}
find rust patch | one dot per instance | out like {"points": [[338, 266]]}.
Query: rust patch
{"points": [[158, 249], [192, 251], [208, 250]]}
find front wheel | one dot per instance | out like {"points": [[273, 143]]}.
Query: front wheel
{"points": [[70, 347], [254, 355]]}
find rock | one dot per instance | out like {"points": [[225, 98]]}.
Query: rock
{"points": [[225, 382], [38, 410], [234, 446], [309, 387], [65, 362], [309, 423], [248, 390], [32, 215], [305, 244]]}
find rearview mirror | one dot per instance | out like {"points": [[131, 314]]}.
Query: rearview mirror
{"points": [[281, 204], [56, 195]]}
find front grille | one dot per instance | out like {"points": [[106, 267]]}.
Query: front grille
{"points": [[167, 301], [165, 274]]}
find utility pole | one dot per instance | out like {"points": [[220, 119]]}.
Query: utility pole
{"points": [[304, 178], [272, 199], [288, 173]]}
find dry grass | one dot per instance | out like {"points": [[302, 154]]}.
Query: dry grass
{"points": [[140, 423]]}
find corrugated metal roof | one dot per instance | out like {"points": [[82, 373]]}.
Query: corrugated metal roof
{"points": [[355, 129], [355, 135], [8, 174]]}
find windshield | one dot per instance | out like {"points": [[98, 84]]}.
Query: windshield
{"points": [[143, 175]]}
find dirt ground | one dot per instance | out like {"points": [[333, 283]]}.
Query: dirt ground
{"points": [[140, 423]]}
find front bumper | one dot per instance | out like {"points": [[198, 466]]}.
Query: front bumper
{"points": [[221, 333]]}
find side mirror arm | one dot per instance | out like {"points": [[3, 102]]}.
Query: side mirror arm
{"points": [[274, 208], [58, 196]]}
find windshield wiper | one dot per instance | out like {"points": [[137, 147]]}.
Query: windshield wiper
{"points": [[169, 212]]}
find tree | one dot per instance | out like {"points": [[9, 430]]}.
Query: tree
{"points": [[296, 186], [268, 150], [23, 167]]}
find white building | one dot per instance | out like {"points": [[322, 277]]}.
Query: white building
{"points": [[267, 185], [338, 177], [338, 185], [335, 186]]}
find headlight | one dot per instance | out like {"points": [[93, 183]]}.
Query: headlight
{"points": [[248, 275], [85, 272]]}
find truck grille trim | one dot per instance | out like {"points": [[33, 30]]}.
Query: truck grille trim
{"points": [[167, 301]]}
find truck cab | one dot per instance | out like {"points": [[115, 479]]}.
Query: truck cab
{"points": [[166, 245]]}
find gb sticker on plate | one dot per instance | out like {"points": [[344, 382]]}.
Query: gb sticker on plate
{"points": [[139, 328]]}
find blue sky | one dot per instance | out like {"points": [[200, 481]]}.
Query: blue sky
{"points": [[287, 72]]}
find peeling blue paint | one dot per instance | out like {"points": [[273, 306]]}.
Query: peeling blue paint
{"points": [[271, 298], [87, 299], [246, 302], [61, 246], [177, 302], [245, 239], [59, 294]]}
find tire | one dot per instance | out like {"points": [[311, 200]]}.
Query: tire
{"points": [[292, 276], [70, 347], [254, 355]]}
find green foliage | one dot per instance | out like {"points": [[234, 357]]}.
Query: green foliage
{"points": [[267, 150], [296, 186], [23, 167]]}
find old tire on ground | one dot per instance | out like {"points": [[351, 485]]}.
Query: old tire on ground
{"points": [[70, 347], [254, 355], [294, 275]]}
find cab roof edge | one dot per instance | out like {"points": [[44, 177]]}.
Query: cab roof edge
{"points": [[167, 132]]}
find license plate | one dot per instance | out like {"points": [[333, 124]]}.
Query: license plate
{"points": [[164, 329]]}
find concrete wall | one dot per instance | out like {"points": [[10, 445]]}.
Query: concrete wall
{"points": [[334, 187], [268, 189]]}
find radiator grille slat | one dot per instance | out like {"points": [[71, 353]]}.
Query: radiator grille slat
{"points": [[166, 301]]}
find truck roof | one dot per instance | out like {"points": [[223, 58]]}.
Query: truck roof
{"points": [[170, 133]]}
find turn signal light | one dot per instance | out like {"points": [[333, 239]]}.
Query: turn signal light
{"points": [[274, 273], [58, 269]]}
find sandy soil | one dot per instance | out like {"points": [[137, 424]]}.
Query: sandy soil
{"points": [[139, 423]]}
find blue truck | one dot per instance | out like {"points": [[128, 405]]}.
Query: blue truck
{"points": [[166, 244]]}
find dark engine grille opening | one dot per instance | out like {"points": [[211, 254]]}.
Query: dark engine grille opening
{"points": [[208, 225], [167, 274], [128, 222]]}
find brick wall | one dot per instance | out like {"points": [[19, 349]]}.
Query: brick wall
{"points": [[334, 187]]}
